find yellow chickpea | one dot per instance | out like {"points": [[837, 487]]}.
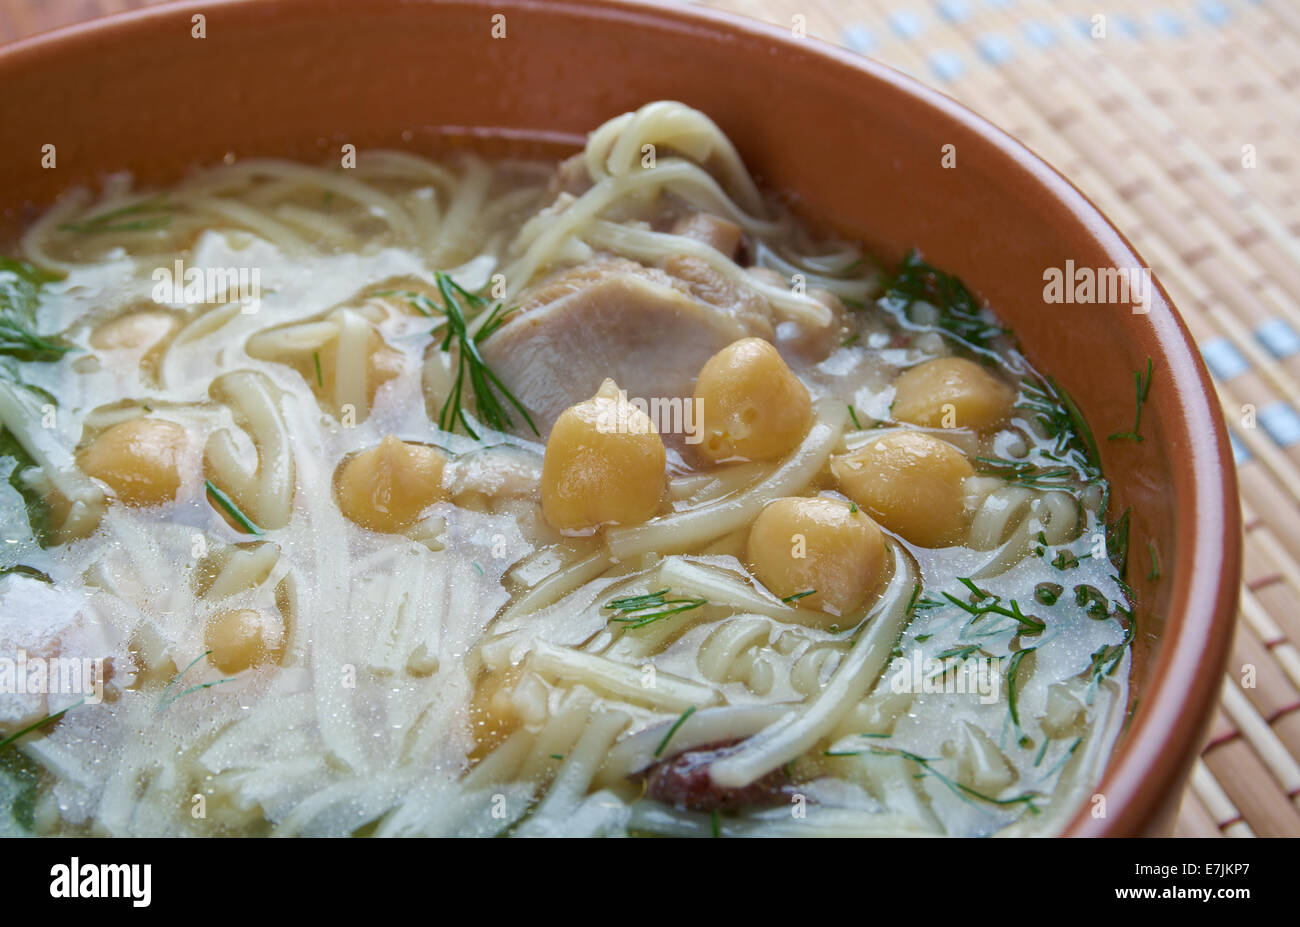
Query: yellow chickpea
{"points": [[386, 487], [823, 545], [951, 392], [312, 348], [241, 638], [383, 363], [132, 331], [604, 464], [140, 460], [753, 406], [910, 482]]}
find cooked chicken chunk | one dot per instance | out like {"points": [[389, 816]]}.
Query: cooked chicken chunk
{"points": [[647, 329]]}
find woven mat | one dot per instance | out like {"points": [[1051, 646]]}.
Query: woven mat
{"points": [[1180, 119]]}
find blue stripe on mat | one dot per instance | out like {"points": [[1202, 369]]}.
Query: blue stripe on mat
{"points": [[1240, 453], [1278, 338], [1281, 422], [1224, 360]]}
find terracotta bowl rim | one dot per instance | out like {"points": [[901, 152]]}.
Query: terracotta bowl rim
{"points": [[1177, 699]]}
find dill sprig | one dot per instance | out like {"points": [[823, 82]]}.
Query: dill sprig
{"points": [[166, 700], [1142, 387], [1106, 659], [1062, 421], [1013, 671], [1072, 457], [1117, 533], [637, 611], [144, 216], [961, 652], [1042, 751], [470, 364], [1028, 474], [229, 507], [419, 301], [36, 725], [961, 791], [962, 315], [1048, 593], [673, 730], [1092, 601], [986, 603], [20, 288]]}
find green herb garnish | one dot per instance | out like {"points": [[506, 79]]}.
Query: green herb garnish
{"points": [[1028, 474], [799, 595], [40, 513], [1091, 600], [1117, 542], [962, 316], [470, 363], [1066, 560], [1142, 387], [1042, 751], [419, 301], [961, 791], [960, 653], [912, 602], [1048, 593], [146, 215], [166, 700], [986, 603], [637, 611], [1061, 421], [231, 509], [1105, 659], [20, 289], [48, 719], [673, 730], [1013, 669]]}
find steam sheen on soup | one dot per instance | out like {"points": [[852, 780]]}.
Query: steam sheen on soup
{"points": [[484, 497]]}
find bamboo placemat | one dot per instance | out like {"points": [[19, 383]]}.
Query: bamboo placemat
{"points": [[1181, 120]]}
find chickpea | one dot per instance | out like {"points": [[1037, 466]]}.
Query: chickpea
{"points": [[951, 392], [492, 713], [383, 363], [825, 545], [140, 460], [386, 487], [910, 482], [133, 331], [604, 464], [241, 638], [312, 348], [753, 406]]}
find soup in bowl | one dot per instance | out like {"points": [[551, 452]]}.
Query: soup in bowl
{"points": [[503, 494]]}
